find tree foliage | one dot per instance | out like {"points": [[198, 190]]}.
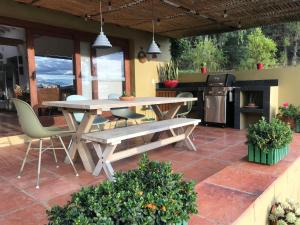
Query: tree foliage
{"points": [[206, 53], [259, 49], [237, 52]]}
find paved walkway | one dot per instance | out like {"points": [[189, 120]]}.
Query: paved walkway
{"points": [[21, 203]]}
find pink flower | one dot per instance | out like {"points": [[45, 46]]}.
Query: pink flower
{"points": [[285, 104]]}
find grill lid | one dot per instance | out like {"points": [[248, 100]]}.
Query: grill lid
{"points": [[220, 80]]}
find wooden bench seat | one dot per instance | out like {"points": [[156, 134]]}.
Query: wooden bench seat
{"points": [[105, 142]]}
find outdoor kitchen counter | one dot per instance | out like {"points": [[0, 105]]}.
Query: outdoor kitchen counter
{"points": [[268, 89]]}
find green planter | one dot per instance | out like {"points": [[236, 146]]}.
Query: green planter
{"points": [[297, 126], [183, 223], [272, 157]]}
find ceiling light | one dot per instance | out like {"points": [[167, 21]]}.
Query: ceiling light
{"points": [[239, 25], [225, 13], [153, 47], [101, 40]]}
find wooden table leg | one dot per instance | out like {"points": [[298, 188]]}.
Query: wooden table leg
{"points": [[72, 125], [187, 141], [77, 145], [160, 116], [104, 160]]}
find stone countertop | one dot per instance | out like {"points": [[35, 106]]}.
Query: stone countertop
{"points": [[199, 86]]}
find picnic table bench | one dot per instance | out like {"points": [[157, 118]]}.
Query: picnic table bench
{"points": [[92, 108], [106, 142]]}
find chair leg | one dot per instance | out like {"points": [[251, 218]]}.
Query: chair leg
{"points": [[39, 165], [67, 153], [24, 160], [54, 153]]}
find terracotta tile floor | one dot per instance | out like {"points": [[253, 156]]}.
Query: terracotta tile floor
{"points": [[220, 154], [9, 124]]}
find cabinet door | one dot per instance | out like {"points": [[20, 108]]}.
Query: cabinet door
{"points": [[165, 107], [215, 109]]}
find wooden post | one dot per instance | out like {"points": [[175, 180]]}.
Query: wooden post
{"points": [[31, 69], [77, 66]]}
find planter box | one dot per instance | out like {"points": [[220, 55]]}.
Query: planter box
{"points": [[182, 223], [297, 129], [270, 158]]}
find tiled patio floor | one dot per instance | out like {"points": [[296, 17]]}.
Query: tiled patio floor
{"points": [[21, 203]]}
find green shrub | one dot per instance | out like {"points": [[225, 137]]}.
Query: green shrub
{"points": [[282, 213], [151, 194], [289, 110], [268, 136]]}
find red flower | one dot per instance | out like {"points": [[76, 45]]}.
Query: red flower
{"points": [[285, 104]]}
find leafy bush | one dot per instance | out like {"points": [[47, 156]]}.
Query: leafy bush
{"points": [[260, 49], [285, 213], [289, 110], [268, 136], [206, 53], [151, 194]]}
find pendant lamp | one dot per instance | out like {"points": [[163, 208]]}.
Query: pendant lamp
{"points": [[101, 40], [153, 47]]}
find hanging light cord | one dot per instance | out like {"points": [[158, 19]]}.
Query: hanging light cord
{"points": [[153, 19], [101, 15]]}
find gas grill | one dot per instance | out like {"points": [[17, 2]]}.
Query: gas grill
{"points": [[218, 99]]}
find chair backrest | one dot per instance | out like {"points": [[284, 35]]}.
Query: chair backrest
{"points": [[185, 109], [113, 96], [28, 120], [78, 116], [118, 111]]}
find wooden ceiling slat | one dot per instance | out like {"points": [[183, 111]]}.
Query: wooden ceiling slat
{"points": [[190, 18]]}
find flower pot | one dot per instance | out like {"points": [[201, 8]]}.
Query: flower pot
{"points": [[289, 121], [171, 83], [272, 157], [297, 129], [126, 98], [259, 66], [203, 70]]}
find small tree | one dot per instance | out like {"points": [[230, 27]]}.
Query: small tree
{"points": [[207, 53], [260, 49]]}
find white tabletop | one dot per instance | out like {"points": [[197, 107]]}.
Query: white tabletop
{"points": [[106, 105]]}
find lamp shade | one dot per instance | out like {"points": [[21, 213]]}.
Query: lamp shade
{"points": [[153, 48], [102, 41]]}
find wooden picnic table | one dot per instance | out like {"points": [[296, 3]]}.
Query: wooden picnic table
{"points": [[92, 108]]}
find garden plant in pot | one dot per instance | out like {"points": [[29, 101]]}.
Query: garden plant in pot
{"points": [[151, 194], [168, 74], [126, 96], [285, 213], [203, 68], [288, 113], [268, 141], [260, 50]]}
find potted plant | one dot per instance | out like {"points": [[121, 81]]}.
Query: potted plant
{"points": [[168, 74], [288, 113], [285, 213], [268, 141], [203, 68], [259, 66], [126, 97], [151, 194], [260, 50]]}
